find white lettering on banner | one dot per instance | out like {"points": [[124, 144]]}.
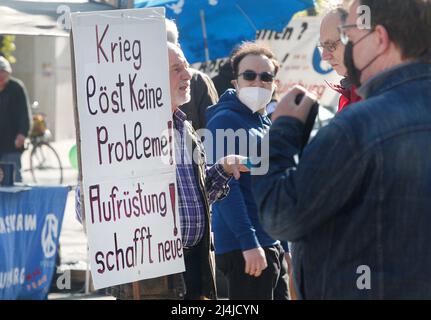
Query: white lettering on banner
{"points": [[30, 222], [13, 277], [18, 222], [49, 235]]}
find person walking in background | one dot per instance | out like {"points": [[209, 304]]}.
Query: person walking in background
{"points": [[14, 117], [253, 262], [202, 91], [333, 52]]}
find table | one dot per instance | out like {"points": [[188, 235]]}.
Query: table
{"points": [[30, 224]]}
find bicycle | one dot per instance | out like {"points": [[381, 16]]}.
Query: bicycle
{"points": [[45, 164]]}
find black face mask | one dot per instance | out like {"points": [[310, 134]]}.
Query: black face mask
{"points": [[353, 73]]}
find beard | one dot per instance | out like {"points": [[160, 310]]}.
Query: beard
{"points": [[182, 98]]}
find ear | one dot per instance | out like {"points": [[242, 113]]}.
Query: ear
{"points": [[382, 38], [235, 84], [276, 84]]}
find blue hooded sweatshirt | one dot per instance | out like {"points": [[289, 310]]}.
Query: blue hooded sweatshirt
{"points": [[235, 221]]}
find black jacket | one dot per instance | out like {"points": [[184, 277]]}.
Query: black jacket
{"points": [[14, 115], [203, 94]]}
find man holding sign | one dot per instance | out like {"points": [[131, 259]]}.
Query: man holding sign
{"points": [[198, 186]]}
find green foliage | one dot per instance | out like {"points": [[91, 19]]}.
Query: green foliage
{"points": [[7, 47]]}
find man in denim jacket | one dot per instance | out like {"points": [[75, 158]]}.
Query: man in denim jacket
{"points": [[357, 206]]}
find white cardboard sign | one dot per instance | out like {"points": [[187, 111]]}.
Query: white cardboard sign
{"points": [[126, 145]]}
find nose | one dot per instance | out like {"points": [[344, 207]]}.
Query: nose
{"points": [[258, 82], [187, 74]]}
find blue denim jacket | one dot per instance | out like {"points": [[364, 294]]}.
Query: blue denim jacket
{"points": [[357, 207]]}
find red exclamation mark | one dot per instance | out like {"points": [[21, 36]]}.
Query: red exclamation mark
{"points": [[172, 193], [171, 159]]}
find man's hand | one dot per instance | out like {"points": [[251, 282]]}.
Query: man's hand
{"points": [[288, 107], [19, 141], [232, 165], [255, 261]]}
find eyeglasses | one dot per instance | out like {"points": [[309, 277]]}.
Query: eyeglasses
{"points": [[250, 75], [344, 38], [329, 46]]}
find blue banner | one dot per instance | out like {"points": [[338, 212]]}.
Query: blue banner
{"points": [[210, 29], [30, 224]]}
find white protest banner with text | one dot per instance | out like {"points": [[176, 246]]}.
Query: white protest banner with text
{"points": [[126, 145], [296, 49], [301, 62]]}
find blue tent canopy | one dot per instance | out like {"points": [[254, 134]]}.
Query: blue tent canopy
{"points": [[210, 29]]}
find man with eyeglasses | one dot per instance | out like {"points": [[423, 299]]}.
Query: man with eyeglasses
{"points": [[357, 205], [332, 51], [253, 263]]}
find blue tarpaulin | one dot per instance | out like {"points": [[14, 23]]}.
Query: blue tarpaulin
{"points": [[210, 29]]}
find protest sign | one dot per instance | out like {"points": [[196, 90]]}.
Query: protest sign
{"points": [[125, 143]]}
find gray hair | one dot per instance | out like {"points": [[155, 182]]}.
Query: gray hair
{"points": [[336, 9], [171, 31]]}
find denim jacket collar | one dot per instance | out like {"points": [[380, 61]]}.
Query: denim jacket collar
{"points": [[393, 77]]}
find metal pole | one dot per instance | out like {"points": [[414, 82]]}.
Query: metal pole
{"points": [[136, 290], [87, 275], [204, 33]]}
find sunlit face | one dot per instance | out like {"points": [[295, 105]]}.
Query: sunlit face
{"points": [[364, 41], [258, 64], [332, 48], [179, 77], [4, 78]]}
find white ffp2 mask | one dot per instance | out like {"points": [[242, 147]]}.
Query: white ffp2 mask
{"points": [[255, 98]]}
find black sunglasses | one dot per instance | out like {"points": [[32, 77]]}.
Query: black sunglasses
{"points": [[250, 75]]}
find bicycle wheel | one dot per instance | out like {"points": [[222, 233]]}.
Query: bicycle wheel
{"points": [[45, 165]]}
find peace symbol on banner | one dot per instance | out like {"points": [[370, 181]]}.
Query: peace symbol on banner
{"points": [[49, 235]]}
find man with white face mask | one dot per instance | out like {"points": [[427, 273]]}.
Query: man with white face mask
{"points": [[253, 262]]}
